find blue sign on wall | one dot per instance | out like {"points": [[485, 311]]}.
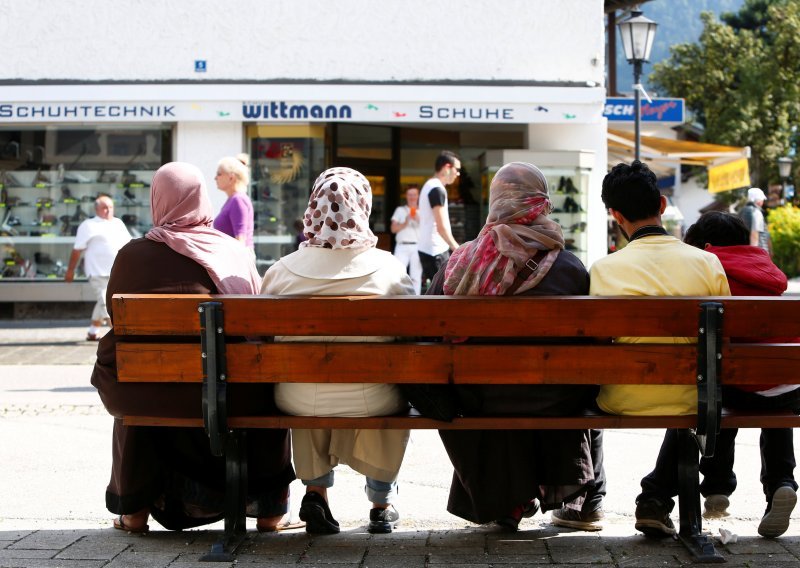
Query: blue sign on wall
{"points": [[660, 110], [200, 66]]}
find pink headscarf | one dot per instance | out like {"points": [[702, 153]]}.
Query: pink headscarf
{"points": [[338, 210], [182, 218], [516, 228]]}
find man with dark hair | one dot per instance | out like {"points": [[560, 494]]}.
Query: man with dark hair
{"points": [[750, 273], [653, 263], [435, 237]]}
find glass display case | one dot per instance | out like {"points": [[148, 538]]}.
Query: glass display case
{"points": [[567, 176], [284, 161], [50, 178]]}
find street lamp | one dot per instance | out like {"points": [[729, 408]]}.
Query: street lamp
{"points": [[637, 33], [785, 171]]}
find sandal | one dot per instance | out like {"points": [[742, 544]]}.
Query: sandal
{"points": [[286, 525], [119, 524]]}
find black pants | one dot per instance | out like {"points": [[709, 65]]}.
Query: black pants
{"points": [[594, 496], [431, 265], [777, 453]]}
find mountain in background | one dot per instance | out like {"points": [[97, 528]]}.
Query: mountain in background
{"points": [[678, 22]]}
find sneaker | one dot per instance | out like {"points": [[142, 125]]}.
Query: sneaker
{"points": [[716, 507], [776, 519], [570, 518], [92, 337], [652, 518], [382, 521], [315, 512]]}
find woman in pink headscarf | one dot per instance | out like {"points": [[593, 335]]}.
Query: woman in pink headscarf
{"points": [[504, 475], [339, 258], [169, 473]]}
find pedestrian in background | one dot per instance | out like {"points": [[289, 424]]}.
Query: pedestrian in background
{"points": [[98, 239], [405, 226], [436, 240], [236, 216], [754, 219]]}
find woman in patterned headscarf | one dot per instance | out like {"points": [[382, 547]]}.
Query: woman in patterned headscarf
{"points": [[339, 258], [505, 475]]}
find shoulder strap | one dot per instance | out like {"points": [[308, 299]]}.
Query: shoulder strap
{"points": [[530, 267]]}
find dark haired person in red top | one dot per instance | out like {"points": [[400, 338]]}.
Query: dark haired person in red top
{"points": [[750, 272]]}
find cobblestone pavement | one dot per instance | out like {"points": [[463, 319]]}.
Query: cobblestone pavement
{"points": [[56, 440]]}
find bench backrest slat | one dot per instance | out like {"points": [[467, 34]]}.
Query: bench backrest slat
{"points": [[462, 364], [553, 316]]}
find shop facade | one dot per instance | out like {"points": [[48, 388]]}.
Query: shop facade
{"points": [[63, 142]]}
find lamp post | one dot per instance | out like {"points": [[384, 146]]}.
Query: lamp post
{"points": [[637, 33], [785, 171]]}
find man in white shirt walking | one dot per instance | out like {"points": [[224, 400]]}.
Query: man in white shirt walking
{"points": [[405, 226], [100, 237], [436, 240]]}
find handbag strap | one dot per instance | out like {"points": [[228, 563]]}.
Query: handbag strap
{"points": [[531, 265]]}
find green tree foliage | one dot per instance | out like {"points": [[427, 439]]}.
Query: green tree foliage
{"points": [[741, 80], [784, 230]]}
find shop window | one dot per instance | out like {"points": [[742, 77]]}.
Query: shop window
{"points": [[49, 179], [285, 161]]}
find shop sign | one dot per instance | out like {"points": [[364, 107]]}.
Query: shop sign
{"points": [[659, 110], [297, 111], [733, 175]]}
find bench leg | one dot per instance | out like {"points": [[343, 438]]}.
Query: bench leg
{"points": [[700, 545], [235, 499]]}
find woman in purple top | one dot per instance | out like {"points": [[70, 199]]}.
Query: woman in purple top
{"points": [[236, 216]]}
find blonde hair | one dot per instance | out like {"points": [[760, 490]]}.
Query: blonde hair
{"points": [[234, 166]]}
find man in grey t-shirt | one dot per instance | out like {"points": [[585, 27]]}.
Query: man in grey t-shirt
{"points": [[436, 240]]}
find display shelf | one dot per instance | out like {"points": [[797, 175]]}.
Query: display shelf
{"points": [[40, 211]]}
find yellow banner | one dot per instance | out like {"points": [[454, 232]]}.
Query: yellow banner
{"points": [[726, 177]]}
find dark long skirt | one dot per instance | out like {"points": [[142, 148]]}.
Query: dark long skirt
{"points": [[497, 470], [171, 470]]}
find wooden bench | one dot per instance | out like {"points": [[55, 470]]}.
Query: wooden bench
{"points": [[517, 358]]}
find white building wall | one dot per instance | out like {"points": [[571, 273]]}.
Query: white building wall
{"points": [[350, 40], [204, 144]]}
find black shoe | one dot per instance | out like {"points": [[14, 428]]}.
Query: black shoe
{"points": [[652, 518], [382, 521], [776, 519], [315, 512]]}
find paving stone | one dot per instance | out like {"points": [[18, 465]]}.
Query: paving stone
{"points": [[24, 553], [93, 548], [754, 545], [48, 540], [52, 563], [517, 546], [652, 561], [381, 561], [252, 560], [130, 559], [13, 535], [334, 555], [512, 559], [398, 549], [457, 538], [446, 556], [761, 560], [563, 553]]}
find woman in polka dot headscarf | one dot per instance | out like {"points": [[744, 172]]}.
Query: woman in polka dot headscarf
{"points": [[338, 211], [339, 258]]}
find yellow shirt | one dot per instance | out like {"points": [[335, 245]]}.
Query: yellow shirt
{"points": [[658, 265]]}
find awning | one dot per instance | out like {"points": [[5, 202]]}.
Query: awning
{"points": [[670, 153]]}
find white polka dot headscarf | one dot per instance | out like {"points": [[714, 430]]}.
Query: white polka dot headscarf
{"points": [[338, 211]]}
